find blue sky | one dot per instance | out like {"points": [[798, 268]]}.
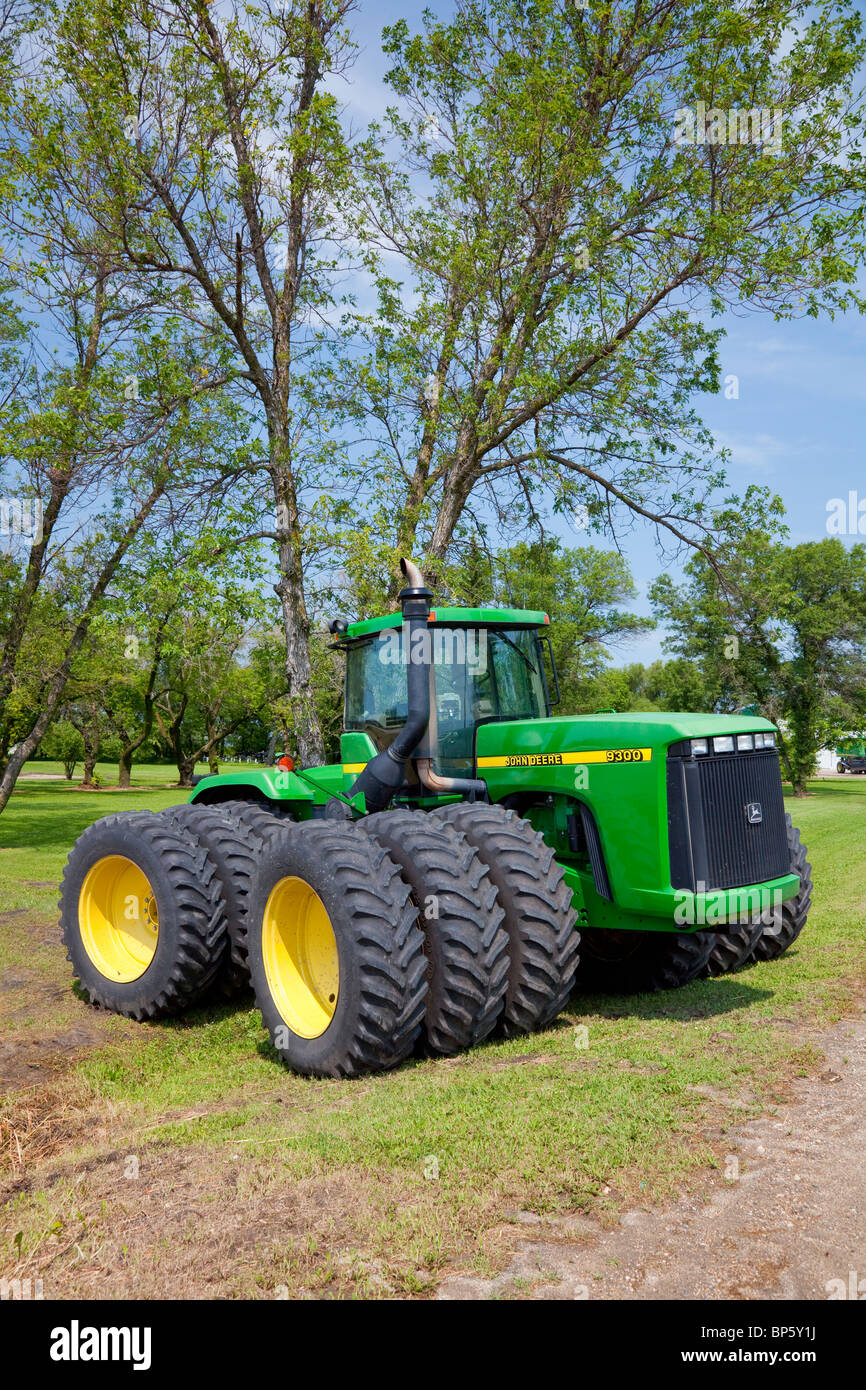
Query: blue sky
{"points": [[797, 426]]}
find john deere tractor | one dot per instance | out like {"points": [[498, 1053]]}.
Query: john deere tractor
{"points": [[438, 884]]}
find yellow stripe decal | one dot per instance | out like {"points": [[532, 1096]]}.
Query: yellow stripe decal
{"points": [[352, 769], [589, 755]]}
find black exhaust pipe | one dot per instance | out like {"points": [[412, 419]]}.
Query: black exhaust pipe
{"points": [[386, 773]]}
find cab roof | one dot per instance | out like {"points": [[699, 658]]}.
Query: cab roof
{"points": [[466, 617]]}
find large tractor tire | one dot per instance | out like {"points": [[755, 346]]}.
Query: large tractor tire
{"points": [[336, 957], [142, 916], [540, 919], [465, 944], [732, 948], [638, 962], [790, 919], [233, 844]]}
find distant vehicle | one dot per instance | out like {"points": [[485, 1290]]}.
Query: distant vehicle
{"points": [[851, 757]]}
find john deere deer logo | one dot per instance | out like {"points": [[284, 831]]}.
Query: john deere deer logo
{"points": [[754, 814]]}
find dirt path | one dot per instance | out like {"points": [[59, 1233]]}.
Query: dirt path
{"points": [[788, 1216]]}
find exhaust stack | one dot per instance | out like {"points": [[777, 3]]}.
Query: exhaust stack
{"points": [[385, 774]]}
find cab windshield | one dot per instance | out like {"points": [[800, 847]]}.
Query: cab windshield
{"points": [[479, 674]]}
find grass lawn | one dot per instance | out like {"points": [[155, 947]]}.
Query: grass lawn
{"points": [[179, 1159]]}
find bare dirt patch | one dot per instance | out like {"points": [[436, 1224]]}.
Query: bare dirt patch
{"points": [[188, 1223], [44, 1028], [29, 1059], [785, 1216]]}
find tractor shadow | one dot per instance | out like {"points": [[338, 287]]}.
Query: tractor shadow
{"points": [[713, 998]]}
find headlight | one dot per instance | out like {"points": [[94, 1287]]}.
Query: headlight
{"points": [[744, 742], [768, 740], [699, 745], [724, 745]]}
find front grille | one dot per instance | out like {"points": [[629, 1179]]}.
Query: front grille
{"points": [[712, 842]]}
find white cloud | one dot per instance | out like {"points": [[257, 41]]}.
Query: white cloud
{"points": [[758, 452]]}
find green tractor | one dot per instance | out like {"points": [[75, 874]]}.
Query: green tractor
{"points": [[468, 863], [851, 756]]}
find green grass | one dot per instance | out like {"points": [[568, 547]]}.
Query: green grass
{"points": [[538, 1122]]}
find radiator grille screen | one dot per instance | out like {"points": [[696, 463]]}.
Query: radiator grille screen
{"points": [[726, 820]]}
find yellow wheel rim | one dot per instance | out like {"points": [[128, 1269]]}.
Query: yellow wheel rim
{"points": [[118, 918], [301, 962]]}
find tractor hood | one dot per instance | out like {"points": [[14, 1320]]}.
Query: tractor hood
{"points": [[624, 737], [625, 769]]}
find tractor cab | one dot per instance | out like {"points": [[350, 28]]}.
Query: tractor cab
{"points": [[484, 664]]}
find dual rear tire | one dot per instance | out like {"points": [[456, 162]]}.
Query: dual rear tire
{"points": [[465, 944], [427, 934], [540, 919]]}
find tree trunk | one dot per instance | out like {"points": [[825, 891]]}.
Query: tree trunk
{"points": [[459, 483], [308, 740], [212, 749], [91, 755], [124, 765], [184, 764], [185, 771]]}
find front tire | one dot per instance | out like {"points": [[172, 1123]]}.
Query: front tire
{"points": [[540, 919], [789, 919], [732, 948], [336, 957], [465, 944]]}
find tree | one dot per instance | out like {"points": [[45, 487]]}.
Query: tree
{"points": [[581, 589], [129, 698], [663, 685], [792, 640], [107, 430], [211, 677], [86, 715], [559, 249], [63, 741], [225, 190]]}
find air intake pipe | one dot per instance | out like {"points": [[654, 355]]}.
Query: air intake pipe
{"points": [[385, 774]]}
